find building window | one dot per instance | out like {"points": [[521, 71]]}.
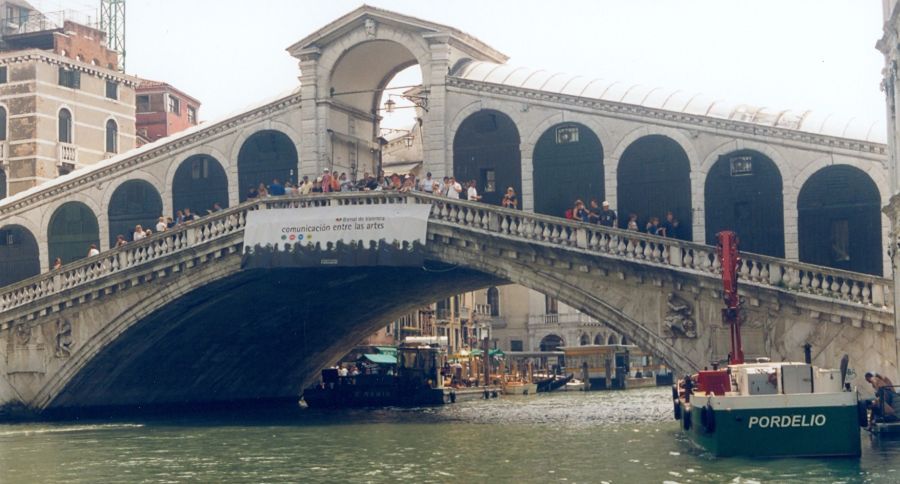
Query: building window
{"points": [[69, 78], [143, 103], [192, 114], [566, 134], [65, 126], [174, 105], [200, 169], [112, 89], [112, 137], [551, 305], [3, 75], [741, 165], [489, 180], [2, 123], [493, 300], [840, 240], [516, 345]]}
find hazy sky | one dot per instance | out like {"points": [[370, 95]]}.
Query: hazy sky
{"points": [[797, 54]]}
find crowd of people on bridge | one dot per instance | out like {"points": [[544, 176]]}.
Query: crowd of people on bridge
{"points": [[332, 182], [602, 214]]}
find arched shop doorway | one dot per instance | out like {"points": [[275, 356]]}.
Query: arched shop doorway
{"points": [[839, 220], [265, 156], [200, 182], [134, 202], [654, 177], [744, 193], [486, 149], [19, 254], [73, 228], [568, 165]]}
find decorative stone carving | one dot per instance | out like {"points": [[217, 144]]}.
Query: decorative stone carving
{"points": [[371, 28], [678, 320], [23, 335], [63, 338]]}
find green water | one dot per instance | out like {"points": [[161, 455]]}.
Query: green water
{"points": [[594, 437]]}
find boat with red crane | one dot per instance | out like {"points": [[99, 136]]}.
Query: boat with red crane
{"points": [[764, 408]]}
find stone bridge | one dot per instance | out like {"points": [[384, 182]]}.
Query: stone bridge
{"points": [[173, 319]]}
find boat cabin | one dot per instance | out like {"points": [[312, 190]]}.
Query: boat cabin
{"points": [[768, 378]]}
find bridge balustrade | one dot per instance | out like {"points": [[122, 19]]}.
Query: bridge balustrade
{"points": [[789, 276]]}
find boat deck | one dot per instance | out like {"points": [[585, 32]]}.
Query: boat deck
{"points": [[882, 428]]}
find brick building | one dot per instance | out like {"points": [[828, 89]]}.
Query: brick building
{"points": [[163, 110], [63, 103]]}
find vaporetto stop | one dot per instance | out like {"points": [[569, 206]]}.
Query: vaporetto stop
{"points": [[785, 421]]}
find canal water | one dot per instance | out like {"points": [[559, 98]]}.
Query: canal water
{"points": [[576, 437]]}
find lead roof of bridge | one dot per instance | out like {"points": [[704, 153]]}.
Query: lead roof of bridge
{"points": [[672, 100]]}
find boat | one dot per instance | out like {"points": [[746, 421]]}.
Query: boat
{"points": [[519, 388], [573, 385], [553, 383], [764, 408]]}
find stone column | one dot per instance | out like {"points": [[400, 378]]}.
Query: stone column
{"points": [[888, 46], [312, 130], [435, 122]]}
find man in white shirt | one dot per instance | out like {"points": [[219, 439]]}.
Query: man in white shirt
{"points": [[453, 189], [472, 193], [427, 185], [161, 225]]}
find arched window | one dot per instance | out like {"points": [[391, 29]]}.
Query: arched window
{"points": [[585, 340], [611, 340], [2, 123], [65, 126], [112, 137], [493, 299]]}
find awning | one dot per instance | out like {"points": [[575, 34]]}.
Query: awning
{"points": [[401, 168], [387, 350], [381, 359], [496, 352]]}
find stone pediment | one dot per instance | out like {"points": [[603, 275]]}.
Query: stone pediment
{"points": [[473, 47]]}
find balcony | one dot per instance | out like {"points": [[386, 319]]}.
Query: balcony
{"points": [[564, 319], [67, 156]]}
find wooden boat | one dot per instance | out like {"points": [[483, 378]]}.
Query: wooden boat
{"points": [[519, 388]]}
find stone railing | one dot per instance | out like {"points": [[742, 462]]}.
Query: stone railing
{"points": [[132, 255], [790, 276], [758, 270], [68, 153], [554, 319]]}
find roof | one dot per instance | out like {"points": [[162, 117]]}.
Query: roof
{"points": [[348, 22], [381, 359], [150, 85], [874, 131]]}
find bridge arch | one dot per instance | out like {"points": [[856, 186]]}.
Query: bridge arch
{"points": [[744, 192], [72, 229], [486, 149], [839, 220], [134, 202], [264, 156], [199, 182], [19, 254], [567, 164], [654, 177]]}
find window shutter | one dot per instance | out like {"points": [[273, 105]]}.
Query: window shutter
{"points": [[76, 79]]}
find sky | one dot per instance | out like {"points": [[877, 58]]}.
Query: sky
{"points": [[797, 54]]}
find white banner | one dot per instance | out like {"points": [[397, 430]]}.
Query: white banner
{"points": [[343, 235]]}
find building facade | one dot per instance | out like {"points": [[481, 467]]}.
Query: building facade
{"points": [[63, 104], [162, 110]]}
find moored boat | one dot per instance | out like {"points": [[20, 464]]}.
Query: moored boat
{"points": [[519, 388], [765, 409]]}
